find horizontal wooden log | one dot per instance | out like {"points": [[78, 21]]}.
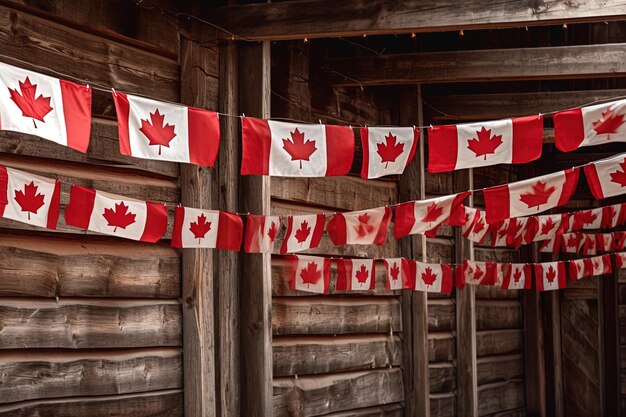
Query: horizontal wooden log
{"points": [[499, 314], [317, 18], [390, 410], [69, 267], [470, 107], [281, 281], [144, 28], [167, 403], [500, 368], [340, 193], [323, 315], [504, 255], [441, 347], [443, 405], [498, 397], [318, 355], [320, 395], [441, 315], [84, 323], [520, 412], [439, 250], [92, 59], [547, 63], [441, 377], [34, 375], [499, 342]]}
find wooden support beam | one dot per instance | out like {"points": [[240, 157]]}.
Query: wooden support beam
{"points": [[414, 303], [467, 380], [562, 62], [608, 329], [256, 277], [496, 106], [197, 190], [321, 18]]}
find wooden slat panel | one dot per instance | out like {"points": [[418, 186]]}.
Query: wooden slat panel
{"points": [[318, 18], [318, 355], [319, 315], [497, 342], [562, 62], [442, 377], [391, 410], [441, 315], [95, 60], [28, 375], [441, 347], [500, 368], [500, 397], [158, 403], [74, 323], [443, 405], [498, 315], [59, 267], [313, 396]]}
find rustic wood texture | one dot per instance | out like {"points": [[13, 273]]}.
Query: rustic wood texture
{"points": [[564, 62], [284, 20], [608, 311], [320, 395], [81, 323], [86, 373]]}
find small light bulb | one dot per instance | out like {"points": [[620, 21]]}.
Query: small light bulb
{"points": [[462, 33], [564, 25], [365, 35], [413, 35], [306, 40]]}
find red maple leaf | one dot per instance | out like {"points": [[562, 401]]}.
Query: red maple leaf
{"points": [[608, 123], [200, 227], [157, 133], [547, 226], [394, 271], [485, 144], [619, 177], [572, 241], [550, 274], [36, 108], [479, 225], [428, 277], [29, 200], [582, 218], [303, 232], [517, 275], [433, 212], [478, 273], [364, 229], [538, 196], [298, 148], [119, 217], [362, 275], [389, 150], [310, 274], [271, 233]]}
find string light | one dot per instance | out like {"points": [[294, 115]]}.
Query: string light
{"points": [[461, 33], [413, 35], [564, 25], [306, 40]]}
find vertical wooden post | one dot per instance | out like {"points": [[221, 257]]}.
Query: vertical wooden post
{"points": [[197, 190], [414, 303], [554, 360], [467, 382], [608, 311], [256, 294], [227, 280]]}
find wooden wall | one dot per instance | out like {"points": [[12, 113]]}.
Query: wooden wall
{"points": [[90, 325]]}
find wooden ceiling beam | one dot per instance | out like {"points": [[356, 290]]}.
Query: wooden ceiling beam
{"points": [[323, 18], [563, 62], [458, 108]]}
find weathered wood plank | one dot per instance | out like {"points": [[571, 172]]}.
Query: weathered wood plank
{"points": [[34, 375], [319, 355], [498, 314], [443, 405], [441, 315], [498, 342], [83, 323], [320, 315], [493, 398], [391, 410], [318, 395], [87, 57], [69, 267], [560, 62], [500, 368], [441, 347], [317, 18], [441, 377], [157, 403]]}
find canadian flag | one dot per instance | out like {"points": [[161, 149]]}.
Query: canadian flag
{"points": [[604, 242], [589, 244], [585, 220], [607, 178], [261, 233], [152, 129], [515, 276], [44, 106], [620, 260], [116, 215], [195, 228], [580, 268], [309, 273], [29, 198], [513, 232], [550, 276], [528, 197], [363, 227], [295, 150], [476, 273], [589, 126], [601, 265], [387, 150], [551, 245], [619, 241], [425, 216], [433, 277], [571, 242], [612, 216], [548, 226], [508, 141], [355, 275], [399, 274], [303, 232], [476, 227]]}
